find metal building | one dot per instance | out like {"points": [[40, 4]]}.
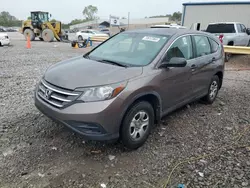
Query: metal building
{"points": [[209, 12], [133, 23]]}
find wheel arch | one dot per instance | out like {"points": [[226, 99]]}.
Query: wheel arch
{"points": [[27, 28], [220, 75], [152, 97], [230, 43]]}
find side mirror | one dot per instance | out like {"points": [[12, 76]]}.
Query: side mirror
{"points": [[175, 62], [248, 31], [50, 15]]}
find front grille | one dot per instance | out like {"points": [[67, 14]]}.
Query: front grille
{"points": [[55, 96]]}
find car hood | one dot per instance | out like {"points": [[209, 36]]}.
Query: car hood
{"points": [[3, 34], [80, 72]]}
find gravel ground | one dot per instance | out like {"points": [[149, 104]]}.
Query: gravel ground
{"points": [[198, 145]]}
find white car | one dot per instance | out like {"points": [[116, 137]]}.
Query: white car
{"points": [[85, 34], [4, 39]]}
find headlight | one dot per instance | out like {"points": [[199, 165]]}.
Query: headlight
{"points": [[102, 93]]}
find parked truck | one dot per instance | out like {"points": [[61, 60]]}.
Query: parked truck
{"points": [[230, 33]]}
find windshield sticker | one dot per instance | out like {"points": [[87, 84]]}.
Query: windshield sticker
{"points": [[151, 39]]}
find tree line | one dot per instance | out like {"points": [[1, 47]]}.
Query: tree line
{"points": [[7, 20], [176, 16]]}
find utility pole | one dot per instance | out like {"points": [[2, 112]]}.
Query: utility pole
{"points": [[128, 19]]}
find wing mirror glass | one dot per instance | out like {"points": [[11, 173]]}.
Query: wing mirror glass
{"points": [[248, 31], [175, 62]]}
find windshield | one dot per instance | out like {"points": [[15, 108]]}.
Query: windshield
{"points": [[221, 28], [131, 49], [40, 16]]}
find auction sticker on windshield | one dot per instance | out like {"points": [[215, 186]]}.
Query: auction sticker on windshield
{"points": [[152, 39]]}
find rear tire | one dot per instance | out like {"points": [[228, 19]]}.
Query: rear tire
{"points": [[227, 57], [48, 35], [137, 125], [30, 33], [80, 38], [212, 90], [41, 39]]}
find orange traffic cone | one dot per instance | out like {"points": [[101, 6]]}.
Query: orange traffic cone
{"points": [[76, 46], [28, 42]]}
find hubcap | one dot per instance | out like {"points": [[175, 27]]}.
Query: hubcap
{"points": [[213, 90], [139, 125]]}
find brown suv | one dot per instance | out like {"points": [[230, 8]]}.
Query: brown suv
{"points": [[124, 86]]}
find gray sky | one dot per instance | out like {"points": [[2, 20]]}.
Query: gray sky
{"points": [[66, 10]]}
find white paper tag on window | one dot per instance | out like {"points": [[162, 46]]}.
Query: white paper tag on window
{"points": [[152, 39]]}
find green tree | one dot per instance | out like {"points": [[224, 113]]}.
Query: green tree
{"points": [[89, 12], [65, 26], [29, 18], [53, 20], [76, 21], [176, 16], [7, 20]]}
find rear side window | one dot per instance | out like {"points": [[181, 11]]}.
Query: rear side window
{"points": [[239, 28], [202, 46], [243, 28], [214, 45], [182, 47], [221, 28]]}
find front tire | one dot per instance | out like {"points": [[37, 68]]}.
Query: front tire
{"points": [[137, 125], [213, 90], [48, 35], [29, 33], [80, 38], [227, 57]]}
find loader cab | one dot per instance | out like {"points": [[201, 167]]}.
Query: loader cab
{"points": [[37, 18]]}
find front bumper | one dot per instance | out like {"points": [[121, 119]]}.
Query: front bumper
{"points": [[5, 42], [94, 121]]}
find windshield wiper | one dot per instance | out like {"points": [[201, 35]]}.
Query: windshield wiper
{"points": [[112, 62], [86, 56]]}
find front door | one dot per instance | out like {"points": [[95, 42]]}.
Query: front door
{"points": [[176, 83], [244, 36]]}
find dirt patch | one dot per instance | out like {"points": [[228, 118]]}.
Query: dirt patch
{"points": [[239, 62]]}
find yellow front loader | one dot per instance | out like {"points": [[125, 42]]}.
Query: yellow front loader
{"points": [[40, 26]]}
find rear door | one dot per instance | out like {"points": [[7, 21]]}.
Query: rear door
{"points": [[90, 33], [201, 68]]}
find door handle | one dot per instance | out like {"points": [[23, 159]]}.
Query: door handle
{"points": [[193, 67], [212, 60]]}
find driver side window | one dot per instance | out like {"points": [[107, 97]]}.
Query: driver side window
{"points": [[182, 48]]}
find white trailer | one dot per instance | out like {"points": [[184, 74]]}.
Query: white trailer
{"points": [[210, 12]]}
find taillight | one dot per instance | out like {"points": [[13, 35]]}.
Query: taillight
{"points": [[221, 38]]}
